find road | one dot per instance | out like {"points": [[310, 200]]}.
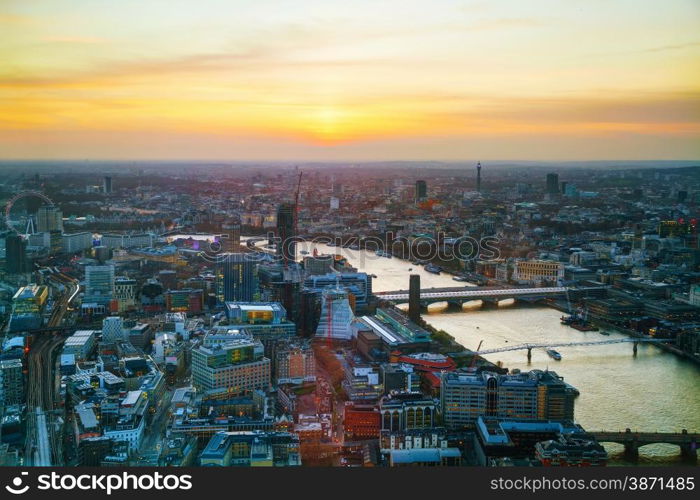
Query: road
{"points": [[151, 446]]}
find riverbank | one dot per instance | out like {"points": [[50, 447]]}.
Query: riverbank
{"points": [[601, 323]]}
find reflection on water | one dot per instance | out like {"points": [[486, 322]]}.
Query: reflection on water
{"points": [[654, 391]]}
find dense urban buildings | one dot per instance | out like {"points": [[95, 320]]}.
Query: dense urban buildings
{"points": [[376, 339]]}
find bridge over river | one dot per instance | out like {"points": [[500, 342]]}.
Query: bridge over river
{"points": [[459, 295], [551, 345], [632, 441]]}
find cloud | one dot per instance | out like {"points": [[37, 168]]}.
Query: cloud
{"points": [[664, 48], [15, 20], [78, 40]]}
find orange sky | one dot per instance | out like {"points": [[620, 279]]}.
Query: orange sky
{"points": [[361, 80]]}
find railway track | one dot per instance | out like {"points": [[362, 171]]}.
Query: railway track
{"points": [[43, 445]]}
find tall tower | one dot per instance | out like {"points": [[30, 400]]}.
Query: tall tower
{"points": [[553, 183], [414, 297], [421, 191], [478, 177], [286, 247]]}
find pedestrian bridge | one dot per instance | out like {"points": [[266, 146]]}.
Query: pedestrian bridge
{"points": [[632, 441], [550, 345]]}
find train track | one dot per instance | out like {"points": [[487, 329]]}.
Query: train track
{"points": [[43, 445]]}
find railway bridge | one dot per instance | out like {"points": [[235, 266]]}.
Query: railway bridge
{"points": [[459, 295]]}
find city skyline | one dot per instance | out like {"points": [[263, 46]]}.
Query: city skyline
{"points": [[390, 81]]}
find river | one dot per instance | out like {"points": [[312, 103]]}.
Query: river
{"points": [[653, 391]]}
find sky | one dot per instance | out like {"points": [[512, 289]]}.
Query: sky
{"points": [[350, 80]]}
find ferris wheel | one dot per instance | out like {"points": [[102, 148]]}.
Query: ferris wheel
{"points": [[26, 222]]}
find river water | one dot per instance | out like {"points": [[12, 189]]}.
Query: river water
{"points": [[653, 391]]}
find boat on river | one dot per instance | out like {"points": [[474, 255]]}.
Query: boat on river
{"points": [[554, 354]]}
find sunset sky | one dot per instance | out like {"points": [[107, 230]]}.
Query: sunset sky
{"points": [[350, 80]]}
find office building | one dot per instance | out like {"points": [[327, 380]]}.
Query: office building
{"points": [[318, 264], [265, 321], [139, 240], [76, 242], [421, 191], [81, 344], [361, 382], [552, 187], [237, 278], [11, 383], [187, 300], [107, 185], [28, 304], [399, 377], [336, 321], [113, 329], [16, 261], [99, 284], [295, 363], [125, 293], [361, 421], [402, 411], [358, 284], [538, 271], [238, 366], [49, 218], [286, 247], [534, 395], [252, 449]]}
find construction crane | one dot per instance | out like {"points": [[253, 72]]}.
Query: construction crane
{"points": [[296, 203], [474, 356]]}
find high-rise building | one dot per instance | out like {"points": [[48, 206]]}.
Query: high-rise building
{"points": [[265, 321], [286, 247], [359, 284], [336, 321], [16, 254], [237, 278], [125, 293], [99, 284], [112, 329], [534, 395], [238, 366], [11, 382], [27, 307], [49, 218], [553, 183], [414, 297], [107, 185], [421, 191]]}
